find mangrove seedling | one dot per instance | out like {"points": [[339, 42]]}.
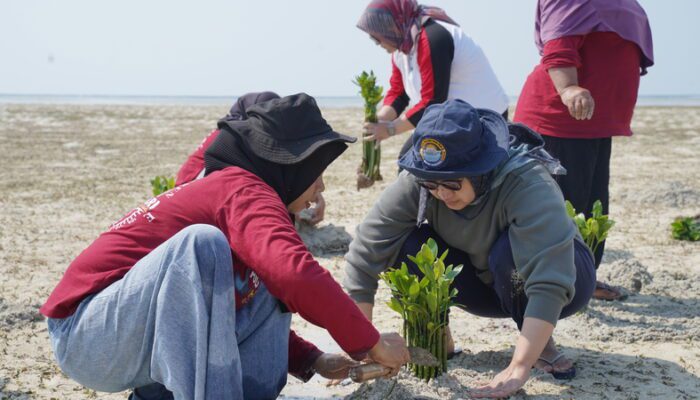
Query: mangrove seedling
{"points": [[595, 229], [424, 303], [368, 172], [686, 228], [161, 184]]}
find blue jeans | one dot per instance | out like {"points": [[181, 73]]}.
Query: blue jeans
{"points": [[172, 321], [503, 299]]}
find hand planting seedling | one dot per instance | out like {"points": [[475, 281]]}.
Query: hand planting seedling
{"points": [[424, 303], [369, 172], [686, 228], [593, 230], [161, 184]]}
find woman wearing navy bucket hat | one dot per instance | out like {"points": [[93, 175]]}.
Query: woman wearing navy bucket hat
{"points": [[482, 189]]}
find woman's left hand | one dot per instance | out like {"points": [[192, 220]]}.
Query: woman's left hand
{"points": [[314, 214], [505, 384], [334, 366], [376, 131], [318, 211]]}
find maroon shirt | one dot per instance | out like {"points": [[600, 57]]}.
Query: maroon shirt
{"points": [[264, 244], [194, 165], [607, 65]]}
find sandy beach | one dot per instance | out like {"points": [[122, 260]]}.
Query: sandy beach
{"points": [[68, 171]]}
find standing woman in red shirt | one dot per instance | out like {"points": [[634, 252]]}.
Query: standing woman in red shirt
{"points": [[584, 91]]}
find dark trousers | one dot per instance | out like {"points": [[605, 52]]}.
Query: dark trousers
{"points": [[506, 297], [587, 162]]}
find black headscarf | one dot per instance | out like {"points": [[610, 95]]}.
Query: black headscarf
{"points": [[238, 109], [288, 180]]}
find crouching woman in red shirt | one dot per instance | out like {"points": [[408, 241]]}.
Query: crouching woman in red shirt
{"points": [[188, 296]]}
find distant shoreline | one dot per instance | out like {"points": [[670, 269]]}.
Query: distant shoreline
{"points": [[323, 101]]}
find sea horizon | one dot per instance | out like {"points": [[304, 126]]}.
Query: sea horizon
{"points": [[323, 101]]}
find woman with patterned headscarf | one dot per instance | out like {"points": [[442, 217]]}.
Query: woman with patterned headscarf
{"points": [[432, 61]]}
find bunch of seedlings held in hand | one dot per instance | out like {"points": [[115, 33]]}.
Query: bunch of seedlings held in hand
{"points": [[368, 172]]}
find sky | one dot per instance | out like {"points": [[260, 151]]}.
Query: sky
{"points": [[222, 48]]}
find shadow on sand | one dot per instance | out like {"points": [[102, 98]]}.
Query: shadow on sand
{"points": [[328, 240], [600, 376]]}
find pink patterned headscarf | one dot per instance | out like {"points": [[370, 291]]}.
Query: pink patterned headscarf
{"points": [[392, 20]]}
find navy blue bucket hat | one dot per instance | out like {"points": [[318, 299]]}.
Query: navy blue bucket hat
{"points": [[455, 140]]}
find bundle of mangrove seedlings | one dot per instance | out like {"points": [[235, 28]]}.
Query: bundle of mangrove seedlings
{"points": [[424, 303], [368, 172]]}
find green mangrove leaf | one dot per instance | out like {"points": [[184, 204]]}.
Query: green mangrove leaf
{"points": [[395, 305], [570, 210], [414, 289], [432, 245]]}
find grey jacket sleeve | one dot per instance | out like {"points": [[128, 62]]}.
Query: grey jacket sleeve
{"points": [[379, 238], [541, 236]]}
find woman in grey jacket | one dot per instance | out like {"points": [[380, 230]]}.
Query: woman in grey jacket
{"points": [[483, 190]]}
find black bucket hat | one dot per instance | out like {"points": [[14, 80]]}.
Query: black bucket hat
{"points": [[455, 140], [285, 130]]}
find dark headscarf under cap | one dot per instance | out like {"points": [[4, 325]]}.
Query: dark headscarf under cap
{"points": [[239, 109], [289, 180]]}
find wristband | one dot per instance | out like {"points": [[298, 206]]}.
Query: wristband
{"points": [[391, 128]]}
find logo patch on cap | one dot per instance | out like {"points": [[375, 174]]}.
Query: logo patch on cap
{"points": [[432, 152]]}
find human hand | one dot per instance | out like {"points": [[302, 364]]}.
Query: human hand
{"points": [[319, 210], [390, 351], [378, 131], [579, 102], [313, 215], [505, 384], [334, 366]]}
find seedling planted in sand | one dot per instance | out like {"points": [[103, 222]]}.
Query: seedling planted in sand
{"points": [[594, 230], [368, 172], [424, 303], [161, 184], [686, 228]]}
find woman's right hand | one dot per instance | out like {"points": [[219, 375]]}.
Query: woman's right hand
{"points": [[579, 102], [390, 351]]}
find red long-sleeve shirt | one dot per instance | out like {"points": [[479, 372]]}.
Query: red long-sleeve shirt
{"points": [[194, 165], [607, 65], [264, 244]]}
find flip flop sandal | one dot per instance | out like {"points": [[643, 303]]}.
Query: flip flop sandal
{"points": [[454, 353], [559, 375], [618, 294]]}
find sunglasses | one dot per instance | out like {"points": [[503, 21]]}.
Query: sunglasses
{"points": [[453, 185]]}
